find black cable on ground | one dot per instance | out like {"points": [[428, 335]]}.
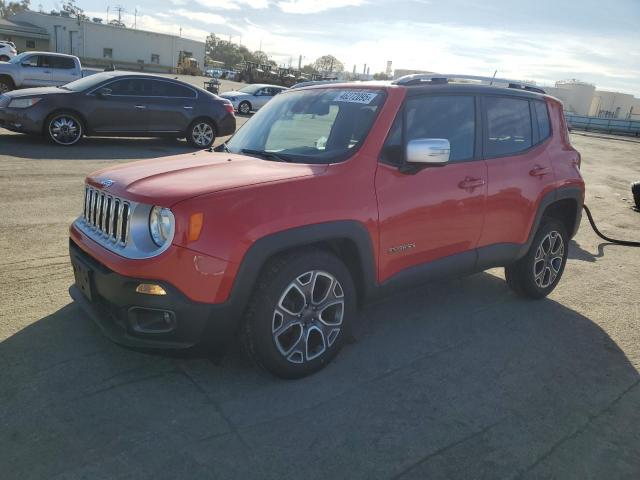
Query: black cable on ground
{"points": [[627, 243]]}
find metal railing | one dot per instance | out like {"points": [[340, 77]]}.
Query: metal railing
{"points": [[607, 125]]}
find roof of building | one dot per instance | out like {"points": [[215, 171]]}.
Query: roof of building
{"points": [[9, 27]]}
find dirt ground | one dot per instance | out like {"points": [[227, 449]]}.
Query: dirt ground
{"points": [[458, 379]]}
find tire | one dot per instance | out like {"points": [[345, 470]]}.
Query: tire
{"points": [[4, 58], [537, 273], [244, 108], [300, 313], [64, 128], [635, 189], [202, 133], [5, 85]]}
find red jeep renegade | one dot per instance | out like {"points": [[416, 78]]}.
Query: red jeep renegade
{"points": [[328, 196]]}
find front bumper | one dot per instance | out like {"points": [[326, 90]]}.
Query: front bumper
{"points": [[117, 308], [22, 120]]}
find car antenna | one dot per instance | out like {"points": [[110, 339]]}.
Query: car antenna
{"points": [[494, 76]]}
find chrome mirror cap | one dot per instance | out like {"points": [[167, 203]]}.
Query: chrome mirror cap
{"points": [[430, 151]]}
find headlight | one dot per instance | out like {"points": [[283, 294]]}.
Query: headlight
{"points": [[161, 224], [23, 102]]}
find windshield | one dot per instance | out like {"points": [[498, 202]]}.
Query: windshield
{"points": [[310, 126], [19, 58], [86, 83], [250, 89]]}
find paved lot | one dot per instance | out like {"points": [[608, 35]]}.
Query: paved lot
{"points": [[457, 379]]}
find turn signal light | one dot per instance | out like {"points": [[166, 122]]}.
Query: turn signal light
{"points": [[195, 226], [150, 289]]}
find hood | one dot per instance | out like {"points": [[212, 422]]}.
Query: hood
{"points": [[167, 181], [34, 92]]}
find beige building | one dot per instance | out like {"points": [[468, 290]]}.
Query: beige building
{"points": [[24, 35], [99, 45]]}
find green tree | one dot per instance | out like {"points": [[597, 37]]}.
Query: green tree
{"points": [[328, 64], [73, 10], [7, 9]]}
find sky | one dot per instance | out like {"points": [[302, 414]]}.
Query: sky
{"points": [[595, 41]]}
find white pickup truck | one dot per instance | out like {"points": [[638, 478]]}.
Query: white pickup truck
{"points": [[38, 69]]}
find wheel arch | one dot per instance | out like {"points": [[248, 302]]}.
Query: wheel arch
{"points": [[8, 77], [348, 240], [80, 116], [563, 204]]}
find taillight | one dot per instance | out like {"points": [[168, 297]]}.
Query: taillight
{"points": [[229, 108]]}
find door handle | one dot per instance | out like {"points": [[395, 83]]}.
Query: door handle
{"points": [[539, 171], [141, 107], [470, 183], [187, 107]]}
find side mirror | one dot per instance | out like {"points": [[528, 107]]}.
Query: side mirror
{"points": [[429, 151], [104, 92]]}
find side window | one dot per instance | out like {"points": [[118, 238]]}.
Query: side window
{"points": [[62, 62], [129, 87], [447, 116], [544, 126], [31, 61], [508, 126], [169, 89]]}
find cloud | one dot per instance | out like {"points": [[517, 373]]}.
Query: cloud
{"points": [[232, 4], [202, 17], [315, 6]]}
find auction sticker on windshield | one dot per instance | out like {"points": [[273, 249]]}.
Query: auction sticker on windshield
{"points": [[355, 97]]}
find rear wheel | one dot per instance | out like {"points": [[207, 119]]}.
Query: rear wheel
{"points": [[4, 58], [244, 108], [64, 128], [300, 313], [537, 273], [202, 134]]}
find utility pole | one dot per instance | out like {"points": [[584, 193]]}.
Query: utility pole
{"points": [[300, 62], [135, 18]]}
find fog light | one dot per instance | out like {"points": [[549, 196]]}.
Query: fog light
{"points": [[150, 289], [148, 320]]}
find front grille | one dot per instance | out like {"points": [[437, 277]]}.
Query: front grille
{"points": [[4, 100], [107, 215]]}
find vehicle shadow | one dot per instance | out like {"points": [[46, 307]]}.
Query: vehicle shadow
{"points": [[92, 148], [457, 379]]}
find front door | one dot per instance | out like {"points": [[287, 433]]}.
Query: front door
{"points": [[36, 71], [261, 97], [123, 107], [435, 212]]}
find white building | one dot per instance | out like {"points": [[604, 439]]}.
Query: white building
{"points": [[575, 95], [100, 45]]}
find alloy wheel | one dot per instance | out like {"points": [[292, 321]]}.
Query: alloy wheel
{"points": [[548, 260], [245, 108], [65, 130], [308, 317], [202, 134]]}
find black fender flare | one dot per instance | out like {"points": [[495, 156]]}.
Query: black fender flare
{"points": [[562, 193], [266, 247]]}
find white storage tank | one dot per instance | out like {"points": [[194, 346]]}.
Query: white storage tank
{"points": [[577, 96]]}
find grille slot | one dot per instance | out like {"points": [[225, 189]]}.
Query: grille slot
{"points": [[107, 215]]}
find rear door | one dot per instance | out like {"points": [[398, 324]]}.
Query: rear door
{"points": [[63, 70], [36, 71], [519, 166], [434, 212], [170, 107], [123, 110]]}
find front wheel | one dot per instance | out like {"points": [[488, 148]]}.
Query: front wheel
{"points": [[201, 134], [64, 129], [537, 273], [5, 85], [300, 313]]}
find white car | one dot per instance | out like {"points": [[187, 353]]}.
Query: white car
{"points": [[7, 51], [252, 97]]}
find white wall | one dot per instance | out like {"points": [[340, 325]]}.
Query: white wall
{"points": [[88, 41], [613, 105]]}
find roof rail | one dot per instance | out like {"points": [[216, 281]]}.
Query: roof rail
{"points": [[440, 78]]}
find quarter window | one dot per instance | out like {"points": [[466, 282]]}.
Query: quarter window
{"points": [[447, 116], [542, 115], [508, 126]]}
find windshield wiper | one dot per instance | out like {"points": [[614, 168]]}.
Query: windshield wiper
{"points": [[266, 155], [221, 148]]}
